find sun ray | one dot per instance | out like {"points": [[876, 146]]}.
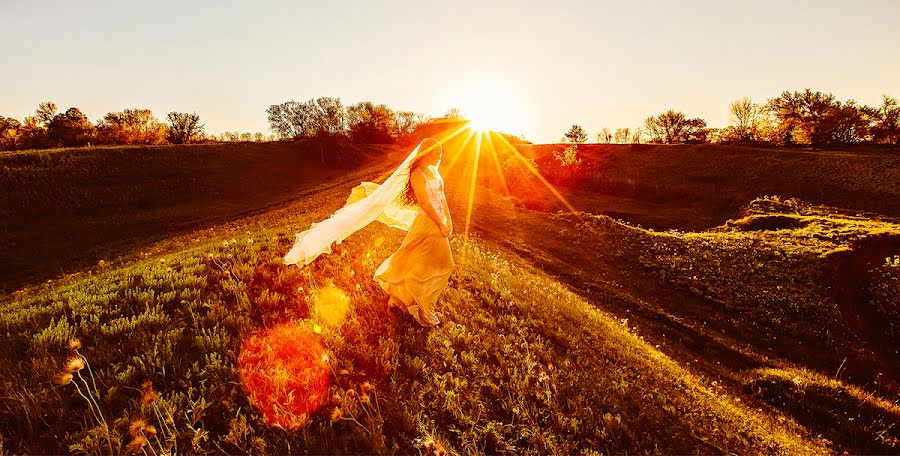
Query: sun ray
{"points": [[496, 160], [455, 158], [470, 207], [539, 176]]}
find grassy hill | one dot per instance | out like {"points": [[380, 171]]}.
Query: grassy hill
{"points": [[63, 209], [701, 186], [563, 333]]}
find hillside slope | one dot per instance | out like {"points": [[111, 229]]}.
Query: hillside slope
{"points": [[564, 333], [66, 208], [506, 373], [701, 186]]}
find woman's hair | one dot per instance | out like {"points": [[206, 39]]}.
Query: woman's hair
{"points": [[409, 195]]}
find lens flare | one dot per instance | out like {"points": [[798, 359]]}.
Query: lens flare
{"points": [[331, 306], [284, 371]]}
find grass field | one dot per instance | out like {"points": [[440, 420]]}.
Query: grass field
{"points": [[564, 332]]}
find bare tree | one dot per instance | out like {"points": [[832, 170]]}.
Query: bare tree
{"points": [[184, 128], [132, 126], [674, 127], [45, 113], [886, 128], [604, 136], [291, 119], [405, 123], [743, 113], [638, 136]]}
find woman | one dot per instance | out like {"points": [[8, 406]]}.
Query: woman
{"points": [[417, 273], [412, 199]]}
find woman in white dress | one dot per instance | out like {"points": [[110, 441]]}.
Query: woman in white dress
{"points": [[417, 273], [411, 199]]}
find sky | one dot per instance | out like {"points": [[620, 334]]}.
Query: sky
{"points": [[595, 63]]}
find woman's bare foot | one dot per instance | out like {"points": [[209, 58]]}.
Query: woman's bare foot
{"points": [[426, 319], [395, 302]]}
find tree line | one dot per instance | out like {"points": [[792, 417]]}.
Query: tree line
{"points": [[48, 128], [327, 117], [792, 118]]}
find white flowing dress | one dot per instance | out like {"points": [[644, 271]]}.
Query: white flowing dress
{"points": [[418, 271]]}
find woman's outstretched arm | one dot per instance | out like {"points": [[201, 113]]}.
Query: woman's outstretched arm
{"points": [[419, 185]]}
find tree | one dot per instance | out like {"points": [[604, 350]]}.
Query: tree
{"points": [[405, 123], [184, 128], [132, 126], [370, 123], [743, 113], [290, 119], [604, 136], [819, 118], [330, 118], [568, 157], [453, 113], [674, 127], [70, 129], [622, 135], [886, 121], [575, 135], [9, 133], [45, 113], [320, 117], [637, 136]]}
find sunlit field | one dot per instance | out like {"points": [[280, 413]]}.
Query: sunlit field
{"points": [[588, 313]]}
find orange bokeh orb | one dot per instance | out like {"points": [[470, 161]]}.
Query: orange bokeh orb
{"points": [[284, 371]]}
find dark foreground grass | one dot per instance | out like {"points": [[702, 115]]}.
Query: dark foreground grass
{"points": [[521, 364]]}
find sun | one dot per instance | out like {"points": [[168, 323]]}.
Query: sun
{"points": [[492, 105]]}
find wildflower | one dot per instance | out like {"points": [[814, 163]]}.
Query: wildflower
{"points": [[336, 399], [364, 398], [317, 329], [162, 260], [74, 364], [345, 372], [136, 427], [225, 244], [148, 394], [64, 378], [74, 344], [136, 445], [149, 430], [365, 387], [336, 414]]}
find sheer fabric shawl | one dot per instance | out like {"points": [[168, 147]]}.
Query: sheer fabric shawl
{"points": [[367, 202]]}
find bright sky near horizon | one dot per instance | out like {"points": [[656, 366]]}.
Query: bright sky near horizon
{"points": [[596, 63]]}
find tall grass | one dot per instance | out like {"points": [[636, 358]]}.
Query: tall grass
{"points": [[521, 365]]}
